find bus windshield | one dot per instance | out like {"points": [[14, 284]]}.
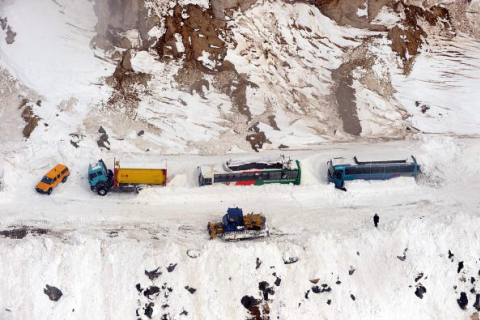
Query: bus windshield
{"points": [[330, 168]]}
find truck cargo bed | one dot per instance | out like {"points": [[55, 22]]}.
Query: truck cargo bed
{"points": [[141, 176]]}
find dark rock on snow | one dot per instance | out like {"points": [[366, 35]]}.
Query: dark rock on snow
{"points": [[421, 290], [149, 309], [419, 276], [278, 281], [450, 255], [476, 305], [249, 301], [190, 289], [151, 291], [258, 263], [154, 274], [463, 301], [323, 288], [264, 286], [53, 293], [171, 267]]}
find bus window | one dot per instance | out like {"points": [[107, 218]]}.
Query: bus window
{"points": [[409, 168], [364, 170], [275, 175], [350, 171], [378, 170], [219, 178], [291, 175], [391, 169]]}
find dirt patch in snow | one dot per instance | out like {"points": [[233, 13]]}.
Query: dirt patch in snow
{"points": [[21, 232], [10, 34], [30, 119], [127, 84], [345, 93]]}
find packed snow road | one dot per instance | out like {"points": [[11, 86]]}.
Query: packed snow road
{"points": [[331, 260]]}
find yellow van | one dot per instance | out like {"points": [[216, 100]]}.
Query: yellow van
{"points": [[52, 179]]}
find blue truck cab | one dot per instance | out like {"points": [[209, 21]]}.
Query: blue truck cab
{"points": [[99, 177]]}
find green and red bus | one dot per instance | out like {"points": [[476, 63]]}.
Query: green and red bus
{"points": [[251, 172]]}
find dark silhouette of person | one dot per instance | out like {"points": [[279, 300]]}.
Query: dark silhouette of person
{"points": [[376, 219]]}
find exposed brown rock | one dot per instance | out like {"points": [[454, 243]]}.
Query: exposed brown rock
{"points": [[344, 12], [199, 32], [10, 36], [31, 121]]}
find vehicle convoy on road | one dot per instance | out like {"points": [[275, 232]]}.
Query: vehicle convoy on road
{"points": [[251, 172], [343, 169], [236, 226], [125, 177], [52, 179]]}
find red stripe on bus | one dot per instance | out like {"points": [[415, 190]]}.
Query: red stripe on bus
{"points": [[245, 183]]}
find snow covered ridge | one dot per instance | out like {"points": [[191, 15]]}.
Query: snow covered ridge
{"points": [[293, 80], [190, 77]]}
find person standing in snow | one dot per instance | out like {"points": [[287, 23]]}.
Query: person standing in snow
{"points": [[376, 219]]}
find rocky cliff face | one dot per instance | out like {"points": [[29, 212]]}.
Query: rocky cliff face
{"points": [[273, 73]]}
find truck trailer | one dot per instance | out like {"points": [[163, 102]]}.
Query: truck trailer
{"points": [[125, 177]]}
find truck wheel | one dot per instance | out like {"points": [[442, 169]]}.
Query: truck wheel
{"points": [[64, 179], [49, 192], [102, 191]]}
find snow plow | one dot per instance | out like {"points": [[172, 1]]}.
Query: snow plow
{"points": [[236, 226]]}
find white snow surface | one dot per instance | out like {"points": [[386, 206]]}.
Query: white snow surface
{"points": [[51, 52], [97, 248]]}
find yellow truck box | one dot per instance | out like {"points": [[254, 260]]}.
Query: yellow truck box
{"points": [[127, 173]]}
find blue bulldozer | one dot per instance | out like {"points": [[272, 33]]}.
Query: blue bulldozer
{"points": [[236, 226]]}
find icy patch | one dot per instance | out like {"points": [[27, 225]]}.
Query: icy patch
{"points": [[145, 62]]}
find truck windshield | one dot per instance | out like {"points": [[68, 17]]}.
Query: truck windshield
{"points": [[92, 176], [47, 180]]}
